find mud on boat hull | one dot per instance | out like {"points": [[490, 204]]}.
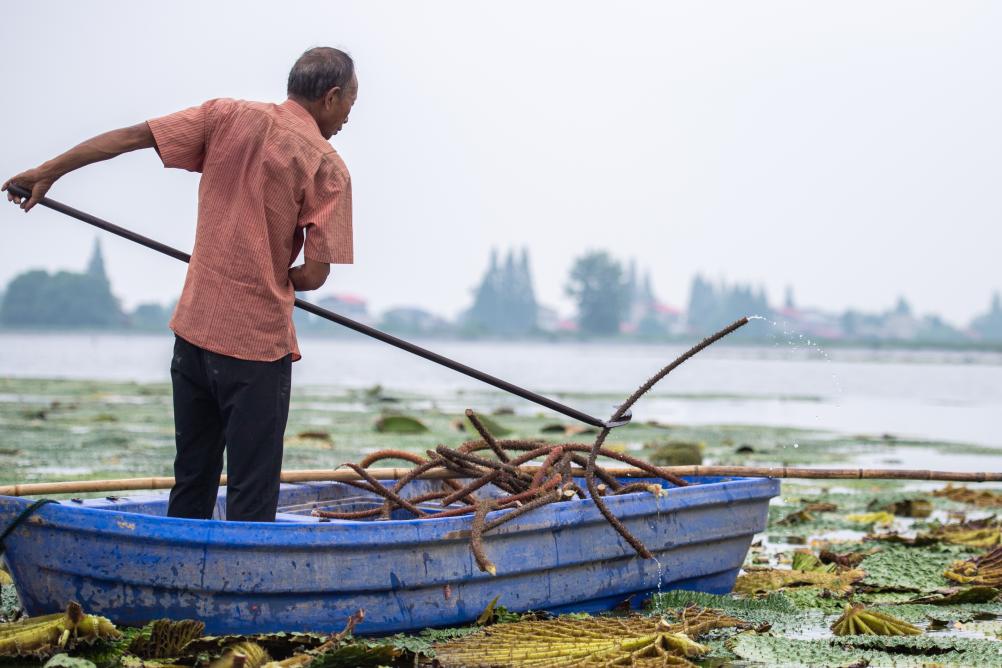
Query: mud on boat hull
{"points": [[121, 558]]}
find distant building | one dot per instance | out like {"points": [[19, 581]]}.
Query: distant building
{"points": [[647, 316], [811, 322], [547, 318], [407, 320], [988, 327], [898, 324], [350, 306]]}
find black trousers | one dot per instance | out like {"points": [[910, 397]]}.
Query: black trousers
{"points": [[224, 403]]}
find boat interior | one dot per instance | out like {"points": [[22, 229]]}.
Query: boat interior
{"points": [[297, 501]]}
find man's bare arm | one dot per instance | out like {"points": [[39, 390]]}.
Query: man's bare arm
{"points": [[96, 149], [310, 275]]}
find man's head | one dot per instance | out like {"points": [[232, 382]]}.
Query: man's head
{"points": [[323, 81]]}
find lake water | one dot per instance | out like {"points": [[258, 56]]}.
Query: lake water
{"points": [[938, 395]]}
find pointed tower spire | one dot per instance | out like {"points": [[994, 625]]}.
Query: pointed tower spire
{"points": [[95, 266]]}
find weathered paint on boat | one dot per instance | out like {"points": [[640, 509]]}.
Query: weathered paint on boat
{"points": [[121, 558]]}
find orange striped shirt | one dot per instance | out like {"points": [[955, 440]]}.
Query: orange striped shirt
{"points": [[270, 182]]}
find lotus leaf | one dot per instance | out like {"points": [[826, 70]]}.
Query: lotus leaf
{"points": [[882, 518], [276, 644], [857, 620], [490, 424], [976, 594], [47, 635], [984, 570], [676, 453], [916, 507], [588, 641], [984, 533], [918, 613], [766, 580], [242, 655], [10, 604], [777, 611], [900, 651], [67, 661], [801, 516], [907, 569], [164, 638], [991, 628], [679, 598], [808, 561], [983, 498], [355, 654], [400, 424], [845, 560], [821, 507]]}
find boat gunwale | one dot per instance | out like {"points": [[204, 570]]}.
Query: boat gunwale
{"points": [[110, 523]]}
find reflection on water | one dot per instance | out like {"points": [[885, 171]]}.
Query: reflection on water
{"points": [[931, 394]]}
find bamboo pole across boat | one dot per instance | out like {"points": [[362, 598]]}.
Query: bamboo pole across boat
{"points": [[335, 475]]}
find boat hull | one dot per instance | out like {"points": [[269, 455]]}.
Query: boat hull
{"points": [[118, 559]]}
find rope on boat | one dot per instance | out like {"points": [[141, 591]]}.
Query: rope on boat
{"points": [[21, 517]]}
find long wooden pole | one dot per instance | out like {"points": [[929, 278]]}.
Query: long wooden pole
{"points": [[622, 417], [319, 475]]}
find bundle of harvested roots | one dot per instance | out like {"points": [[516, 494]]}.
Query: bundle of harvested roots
{"points": [[521, 490]]}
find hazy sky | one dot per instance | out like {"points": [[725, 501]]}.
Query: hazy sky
{"points": [[851, 149]]}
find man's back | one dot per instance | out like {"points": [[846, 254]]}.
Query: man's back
{"points": [[270, 182], [267, 176]]}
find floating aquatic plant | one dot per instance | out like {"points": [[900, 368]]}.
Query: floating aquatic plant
{"points": [[276, 644], [245, 654], [905, 569], [486, 424], [765, 580], [165, 639], [882, 517], [968, 595], [676, 453], [804, 560], [49, 634], [399, 424], [857, 620], [845, 560], [821, 507], [914, 507], [982, 533], [899, 651], [984, 570], [587, 641], [983, 498], [802, 516]]}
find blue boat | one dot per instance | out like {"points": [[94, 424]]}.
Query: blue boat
{"points": [[122, 558]]}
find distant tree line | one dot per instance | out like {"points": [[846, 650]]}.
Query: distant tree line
{"points": [[611, 299], [599, 287], [64, 299], [74, 300], [989, 325], [712, 307], [504, 303]]}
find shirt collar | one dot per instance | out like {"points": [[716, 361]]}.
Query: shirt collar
{"points": [[301, 113]]}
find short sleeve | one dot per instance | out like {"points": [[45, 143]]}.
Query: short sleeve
{"points": [[326, 214], [181, 137]]}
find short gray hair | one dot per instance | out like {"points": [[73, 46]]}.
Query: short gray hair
{"points": [[318, 70]]}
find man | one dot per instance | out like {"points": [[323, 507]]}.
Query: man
{"points": [[271, 184]]}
